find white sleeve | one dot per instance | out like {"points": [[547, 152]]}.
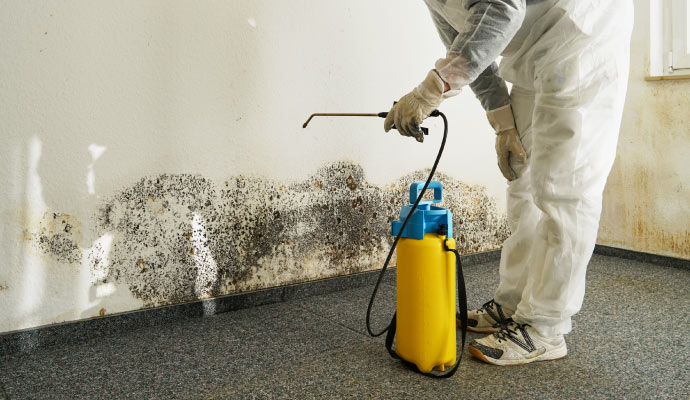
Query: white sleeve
{"points": [[490, 26]]}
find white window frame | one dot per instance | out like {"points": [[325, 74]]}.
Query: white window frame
{"points": [[680, 45], [669, 42]]}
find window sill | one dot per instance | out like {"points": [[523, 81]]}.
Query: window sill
{"points": [[666, 77]]}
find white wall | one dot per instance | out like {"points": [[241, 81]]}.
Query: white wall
{"points": [[647, 198], [118, 118]]}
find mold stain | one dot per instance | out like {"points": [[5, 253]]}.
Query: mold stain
{"points": [[58, 235], [634, 222], [645, 204], [659, 241], [181, 237], [152, 222]]}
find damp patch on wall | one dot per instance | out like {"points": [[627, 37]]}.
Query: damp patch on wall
{"points": [[177, 238]]}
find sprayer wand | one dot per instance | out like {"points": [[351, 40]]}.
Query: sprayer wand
{"points": [[380, 115]]}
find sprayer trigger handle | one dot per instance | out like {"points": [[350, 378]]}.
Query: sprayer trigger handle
{"points": [[424, 129]]}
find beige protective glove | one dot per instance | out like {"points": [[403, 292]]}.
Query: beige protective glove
{"points": [[409, 112], [507, 140]]}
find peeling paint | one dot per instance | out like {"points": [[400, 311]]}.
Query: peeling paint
{"points": [[181, 237]]}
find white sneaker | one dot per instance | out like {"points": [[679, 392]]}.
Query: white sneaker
{"points": [[517, 344], [487, 319]]}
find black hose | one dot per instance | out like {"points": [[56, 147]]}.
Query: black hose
{"points": [[434, 113]]}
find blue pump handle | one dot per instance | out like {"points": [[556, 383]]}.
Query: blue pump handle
{"points": [[417, 187]]}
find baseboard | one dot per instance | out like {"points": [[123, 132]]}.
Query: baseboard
{"points": [[640, 256], [29, 340]]}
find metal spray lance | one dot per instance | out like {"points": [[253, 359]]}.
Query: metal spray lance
{"points": [[380, 115]]}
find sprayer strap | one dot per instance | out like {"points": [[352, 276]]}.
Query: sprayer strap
{"points": [[462, 299]]}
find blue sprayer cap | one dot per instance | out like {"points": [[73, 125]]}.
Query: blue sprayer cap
{"points": [[425, 218]]}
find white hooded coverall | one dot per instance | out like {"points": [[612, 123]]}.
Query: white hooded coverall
{"points": [[568, 63]]}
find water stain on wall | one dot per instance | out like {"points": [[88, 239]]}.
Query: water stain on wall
{"points": [[644, 207], [181, 237]]}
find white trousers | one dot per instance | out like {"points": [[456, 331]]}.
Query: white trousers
{"points": [[567, 97]]}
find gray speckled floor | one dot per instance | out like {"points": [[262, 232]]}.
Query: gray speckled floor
{"points": [[631, 340]]}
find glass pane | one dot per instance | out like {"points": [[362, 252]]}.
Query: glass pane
{"points": [[687, 28]]}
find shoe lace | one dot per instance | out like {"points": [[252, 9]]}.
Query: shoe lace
{"points": [[489, 305], [506, 333], [497, 316]]}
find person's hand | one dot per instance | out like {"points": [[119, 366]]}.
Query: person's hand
{"points": [[507, 140], [508, 144], [409, 112]]}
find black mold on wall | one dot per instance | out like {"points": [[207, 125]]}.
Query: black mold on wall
{"points": [[178, 238], [56, 236], [153, 251]]}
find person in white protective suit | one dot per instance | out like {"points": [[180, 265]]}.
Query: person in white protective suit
{"points": [[556, 141]]}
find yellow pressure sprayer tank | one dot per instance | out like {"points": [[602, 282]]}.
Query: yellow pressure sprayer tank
{"points": [[426, 303], [425, 320]]}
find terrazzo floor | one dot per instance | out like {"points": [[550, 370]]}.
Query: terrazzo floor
{"points": [[631, 340]]}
